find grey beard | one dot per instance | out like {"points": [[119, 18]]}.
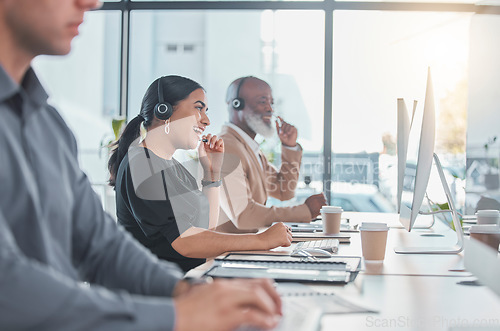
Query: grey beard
{"points": [[256, 123]]}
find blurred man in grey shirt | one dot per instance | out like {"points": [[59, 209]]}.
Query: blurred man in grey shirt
{"points": [[53, 231]]}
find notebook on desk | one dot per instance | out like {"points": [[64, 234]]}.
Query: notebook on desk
{"points": [[303, 307], [339, 270]]}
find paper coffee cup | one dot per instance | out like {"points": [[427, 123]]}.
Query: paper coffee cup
{"points": [[488, 216], [331, 219], [486, 233], [373, 240]]}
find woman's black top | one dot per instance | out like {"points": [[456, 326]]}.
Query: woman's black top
{"points": [[156, 201]]}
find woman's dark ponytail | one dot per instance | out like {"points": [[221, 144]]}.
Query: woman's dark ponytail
{"points": [[120, 147]]}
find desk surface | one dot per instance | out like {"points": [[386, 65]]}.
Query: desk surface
{"points": [[416, 303], [404, 264], [413, 264], [411, 292]]}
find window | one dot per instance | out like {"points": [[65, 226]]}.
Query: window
{"points": [[267, 44], [381, 56], [381, 51]]}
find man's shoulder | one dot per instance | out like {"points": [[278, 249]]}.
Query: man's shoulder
{"points": [[56, 128], [228, 132], [231, 138], [55, 116]]}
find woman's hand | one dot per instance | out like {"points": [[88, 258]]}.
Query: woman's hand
{"points": [[277, 235], [211, 155]]}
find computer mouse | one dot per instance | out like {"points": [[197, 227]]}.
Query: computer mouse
{"points": [[317, 252]]}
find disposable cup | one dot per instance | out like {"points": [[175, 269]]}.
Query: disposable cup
{"points": [[486, 233], [373, 240], [331, 219], [488, 216]]}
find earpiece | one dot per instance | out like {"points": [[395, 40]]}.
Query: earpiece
{"points": [[239, 103], [163, 109]]}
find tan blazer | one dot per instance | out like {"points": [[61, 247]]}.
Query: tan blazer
{"points": [[246, 187]]}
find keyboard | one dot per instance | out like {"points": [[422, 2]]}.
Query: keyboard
{"points": [[331, 245]]}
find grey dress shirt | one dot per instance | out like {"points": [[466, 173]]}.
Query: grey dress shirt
{"points": [[54, 233]]}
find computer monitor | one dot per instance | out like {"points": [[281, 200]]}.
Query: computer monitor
{"points": [[403, 132], [418, 163], [402, 145], [419, 157]]}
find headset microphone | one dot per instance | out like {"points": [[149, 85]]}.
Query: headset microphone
{"points": [[163, 110]]}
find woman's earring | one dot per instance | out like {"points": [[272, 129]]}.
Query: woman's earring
{"points": [[143, 132], [167, 126]]}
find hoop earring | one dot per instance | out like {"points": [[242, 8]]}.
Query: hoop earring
{"points": [[167, 126], [143, 132]]}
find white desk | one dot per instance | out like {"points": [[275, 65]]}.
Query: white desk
{"points": [[416, 303], [412, 264], [411, 292]]}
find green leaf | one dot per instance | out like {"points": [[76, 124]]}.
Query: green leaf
{"points": [[117, 124], [445, 206]]}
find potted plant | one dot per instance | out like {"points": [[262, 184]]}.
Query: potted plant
{"points": [[118, 124], [446, 217]]}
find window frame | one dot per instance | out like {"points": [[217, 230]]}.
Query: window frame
{"points": [[328, 6]]}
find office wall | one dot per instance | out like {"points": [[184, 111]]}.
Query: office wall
{"points": [[483, 122], [484, 80]]}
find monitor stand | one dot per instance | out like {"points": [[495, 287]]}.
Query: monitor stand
{"points": [[416, 227], [422, 227], [459, 246]]}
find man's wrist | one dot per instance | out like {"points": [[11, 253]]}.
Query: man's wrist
{"points": [[289, 146], [186, 284], [296, 147], [199, 280], [181, 287], [212, 176], [309, 209]]}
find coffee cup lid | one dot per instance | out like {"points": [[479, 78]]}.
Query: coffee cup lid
{"points": [[372, 226], [331, 209], [488, 213], [485, 228]]}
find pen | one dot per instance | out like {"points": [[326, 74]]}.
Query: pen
{"points": [[276, 119]]}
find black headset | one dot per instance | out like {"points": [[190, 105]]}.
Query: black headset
{"points": [[239, 103], [163, 109]]}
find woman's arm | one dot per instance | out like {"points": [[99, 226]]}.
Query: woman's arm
{"points": [[212, 194], [201, 243], [211, 153]]}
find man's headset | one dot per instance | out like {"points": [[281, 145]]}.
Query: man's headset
{"points": [[163, 109], [239, 103]]}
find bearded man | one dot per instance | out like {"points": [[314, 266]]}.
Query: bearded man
{"points": [[248, 185]]}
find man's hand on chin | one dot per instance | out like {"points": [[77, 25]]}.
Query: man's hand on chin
{"points": [[287, 133]]}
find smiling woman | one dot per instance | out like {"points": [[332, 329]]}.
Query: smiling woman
{"points": [[157, 200], [163, 96]]}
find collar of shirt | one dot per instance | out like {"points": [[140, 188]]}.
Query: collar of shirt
{"points": [[250, 142], [30, 87]]}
